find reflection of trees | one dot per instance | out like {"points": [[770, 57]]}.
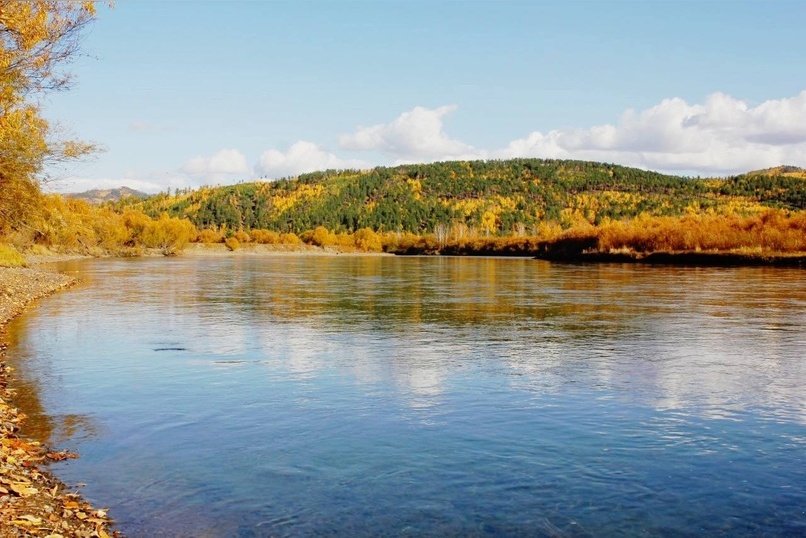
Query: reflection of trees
{"points": [[39, 425], [664, 331], [675, 336]]}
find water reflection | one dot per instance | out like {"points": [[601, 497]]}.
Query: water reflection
{"points": [[640, 330], [30, 372], [290, 393]]}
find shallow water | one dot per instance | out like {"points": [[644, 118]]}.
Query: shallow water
{"points": [[424, 396]]}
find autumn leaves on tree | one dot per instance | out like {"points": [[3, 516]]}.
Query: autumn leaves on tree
{"points": [[37, 39]]}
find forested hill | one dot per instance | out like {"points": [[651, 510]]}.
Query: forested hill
{"points": [[495, 197]]}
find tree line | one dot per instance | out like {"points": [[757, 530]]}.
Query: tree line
{"points": [[491, 198]]}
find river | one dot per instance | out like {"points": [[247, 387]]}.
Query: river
{"points": [[372, 395]]}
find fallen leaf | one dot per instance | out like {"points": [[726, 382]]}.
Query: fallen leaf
{"points": [[22, 490], [33, 519]]}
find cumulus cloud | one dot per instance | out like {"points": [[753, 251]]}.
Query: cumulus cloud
{"points": [[414, 136], [226, 164], [302, 157], [723, 135]]}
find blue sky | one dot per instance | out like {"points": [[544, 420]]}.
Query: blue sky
{"points": [[190, 93]]}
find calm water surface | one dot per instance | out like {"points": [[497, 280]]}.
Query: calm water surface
{"points": [[424, 396]]}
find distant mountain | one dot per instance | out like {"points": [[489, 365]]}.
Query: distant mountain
{"points": [[783, 171], [99, 196]]}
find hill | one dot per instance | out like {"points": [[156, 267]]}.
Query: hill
{"points": [[489, 197], [99, 196], [786, 171]]}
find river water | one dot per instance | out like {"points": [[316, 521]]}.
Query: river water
{"points": [[371, 396]]}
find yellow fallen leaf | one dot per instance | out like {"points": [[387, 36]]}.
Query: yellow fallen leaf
{"points": [[33, 519], [22, 490], [27, 521]]}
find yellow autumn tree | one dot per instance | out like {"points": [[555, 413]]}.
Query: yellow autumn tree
{"points": [[168, 234], [37, 39]]}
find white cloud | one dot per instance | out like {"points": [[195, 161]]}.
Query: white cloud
{"points": [[414, 136], [302, 157], [226, 164], [723, 135]]}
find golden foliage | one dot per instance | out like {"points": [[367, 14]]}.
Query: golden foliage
{"points": [[232, 244], [367, 240], [242, 236], [770, 231], [37, 37], [320, 236], [290, 239], [209, 236], [303, 193], [169, 234], [265, 237], [11, 257]]}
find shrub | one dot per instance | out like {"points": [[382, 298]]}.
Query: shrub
{"points": [[320, 237], [290, 239], [10, 257], [209, 236], [367, 240], [232, 243], [265, 237], [169, 234]]}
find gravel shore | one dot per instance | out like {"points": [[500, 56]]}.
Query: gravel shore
{"points": [[32, 501]]}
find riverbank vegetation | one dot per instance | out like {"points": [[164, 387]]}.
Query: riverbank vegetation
{"points": [[526, 207]]}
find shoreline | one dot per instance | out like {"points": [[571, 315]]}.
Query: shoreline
{"points": [[251, 249], [32, 500], [680, 258]]}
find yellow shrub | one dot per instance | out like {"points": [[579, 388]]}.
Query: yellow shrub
{"points": [[209, 236], [10, 257], [367, 240], [169, 234], [322, 237], [290, 239], [265, 237]]}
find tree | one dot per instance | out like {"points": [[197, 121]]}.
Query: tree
{"points": [[169, 234], [37, 38]]}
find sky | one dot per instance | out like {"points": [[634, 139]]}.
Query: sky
{"points": [[189, 93]]}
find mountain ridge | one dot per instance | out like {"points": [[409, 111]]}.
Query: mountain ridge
{"points": [[100, 196], [491, 197]]}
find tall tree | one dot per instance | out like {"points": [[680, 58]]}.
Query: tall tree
{"points": [[38, 38]]}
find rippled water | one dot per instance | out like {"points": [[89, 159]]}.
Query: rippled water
{"points": [[425, 396]]}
